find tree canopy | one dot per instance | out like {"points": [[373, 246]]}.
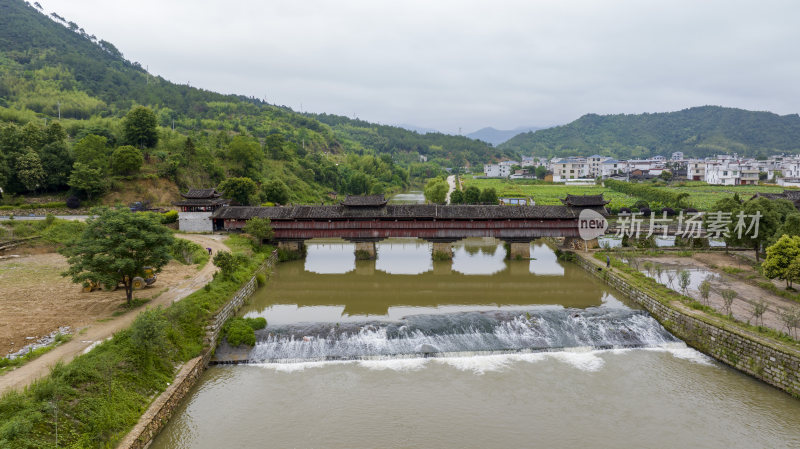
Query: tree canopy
{"points": [[436, 190], [126, 160], [116, 246], [780, 257], [140, 127], [241, 190], [260, 229]]}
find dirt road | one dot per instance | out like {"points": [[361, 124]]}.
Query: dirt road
{"points": [[451, 182], [99, 331]]}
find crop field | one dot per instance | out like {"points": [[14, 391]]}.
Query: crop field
{"points": [[548, 194], [701, 195]]}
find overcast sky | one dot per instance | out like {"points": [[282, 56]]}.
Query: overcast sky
{"points": [[453, 65]]}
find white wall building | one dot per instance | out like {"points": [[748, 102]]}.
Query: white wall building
{"points": [[677, 156], [611, 167], [496, 171], [595, 162], [696, 170]]}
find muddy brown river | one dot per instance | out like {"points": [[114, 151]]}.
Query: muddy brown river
{"points": [[403, 352]]}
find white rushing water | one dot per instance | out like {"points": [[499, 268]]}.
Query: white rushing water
{"points": [[545, 329]]}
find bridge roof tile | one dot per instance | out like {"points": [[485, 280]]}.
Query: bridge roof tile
{"points": [[405, 212]]}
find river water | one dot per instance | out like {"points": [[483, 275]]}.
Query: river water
{"points": [[474, 353]]}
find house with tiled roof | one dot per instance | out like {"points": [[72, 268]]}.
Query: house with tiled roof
{"points": [[196, 208]]}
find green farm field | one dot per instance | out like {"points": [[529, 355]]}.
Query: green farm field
{"points": [[548, 194], [701, 195]]}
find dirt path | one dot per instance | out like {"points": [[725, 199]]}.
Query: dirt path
{"points": [[451, 183], [100, 331], [747, 294]]}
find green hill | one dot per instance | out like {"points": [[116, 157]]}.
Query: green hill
{"points": [[50, 67], [698, 132]]}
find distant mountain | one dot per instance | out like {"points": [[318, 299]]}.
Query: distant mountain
{"points": [[498, 136], [697, 132]]}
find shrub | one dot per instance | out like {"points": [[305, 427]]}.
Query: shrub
{"points": [[239, 331], [168, 217], [228, 263], [256, 323], [649, 193]]}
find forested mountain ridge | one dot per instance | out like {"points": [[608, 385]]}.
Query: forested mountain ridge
{"points": [[445, 149], [50, 67], [698, 132]]}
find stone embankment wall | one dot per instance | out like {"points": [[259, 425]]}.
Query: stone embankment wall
{"points": [[768, 361], [163, 407]]}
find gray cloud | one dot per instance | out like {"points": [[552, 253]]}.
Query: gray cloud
{"points": [[468, 64]]}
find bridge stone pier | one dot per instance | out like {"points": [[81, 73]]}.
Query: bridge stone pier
{"points": [[365, 248], [442, 248], [296, 246], [519, 249]]}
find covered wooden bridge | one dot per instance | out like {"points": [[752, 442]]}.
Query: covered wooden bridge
{"points": [[365, 220]]}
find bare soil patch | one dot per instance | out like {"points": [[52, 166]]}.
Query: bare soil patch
{"points": [[747, 294], [48, 301], [35, 299]]}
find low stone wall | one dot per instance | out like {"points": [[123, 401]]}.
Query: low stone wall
{"points": [[768, 361], [163, 407]]}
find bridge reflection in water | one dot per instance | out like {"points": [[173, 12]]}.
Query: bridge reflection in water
{"points": [[330, 285]]}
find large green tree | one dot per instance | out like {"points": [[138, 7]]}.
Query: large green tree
{"points": [[87, 179], [457, 197], [780, 257], [126, 160], [241, 190], [276, 191], [436, 191], [260, 229], [489, 196], [140, 128], [246, 155], [472, 195], [57, 164], [92, 151], [29, 171], [116, 246], [772, 215]]}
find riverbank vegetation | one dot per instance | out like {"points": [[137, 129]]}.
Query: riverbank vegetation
{"points": [[241, 331], [96, 399]]}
